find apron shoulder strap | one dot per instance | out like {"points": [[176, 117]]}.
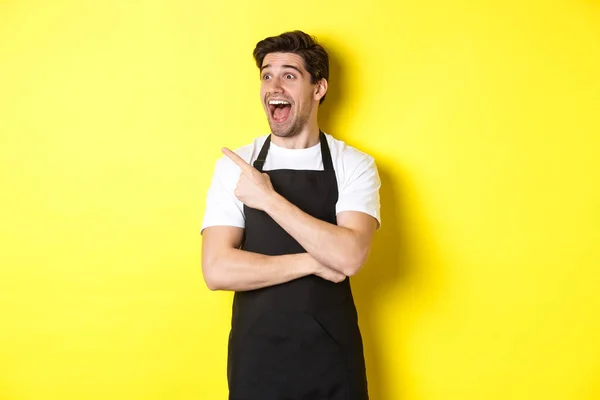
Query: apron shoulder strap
{"points": [[325, 153], [259, 163]]}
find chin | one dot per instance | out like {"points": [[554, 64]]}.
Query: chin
{"points": [[283, 132]]}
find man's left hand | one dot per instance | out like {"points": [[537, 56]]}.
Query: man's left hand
{"points": [[254, 188]]}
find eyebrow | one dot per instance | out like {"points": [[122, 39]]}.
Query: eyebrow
{"points": [[283, 66]]}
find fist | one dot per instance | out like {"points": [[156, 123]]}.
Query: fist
{"points": [[329, 274]]}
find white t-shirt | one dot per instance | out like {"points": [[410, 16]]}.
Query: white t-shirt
{"points": [[356, 173]]}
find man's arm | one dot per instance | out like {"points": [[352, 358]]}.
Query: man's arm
{"points": [[226, 267], [343, 247]]}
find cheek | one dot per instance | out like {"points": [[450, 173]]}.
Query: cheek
{"points": [[306, 97], [264, 88]]}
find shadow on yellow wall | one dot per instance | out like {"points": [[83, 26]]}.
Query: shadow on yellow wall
{"points": [[390, 267], [387, 269]]}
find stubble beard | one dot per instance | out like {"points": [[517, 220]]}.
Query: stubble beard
{"points": [[293, 129]]}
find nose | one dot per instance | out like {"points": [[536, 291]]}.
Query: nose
{"points": [[275, 85]]}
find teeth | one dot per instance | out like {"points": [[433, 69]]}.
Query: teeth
{"points": [[275, 102]]}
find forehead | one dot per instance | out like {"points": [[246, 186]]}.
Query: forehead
{"points": [[278, 60]]}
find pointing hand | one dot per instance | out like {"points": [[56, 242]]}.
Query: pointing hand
{"points": [[254, 188]]}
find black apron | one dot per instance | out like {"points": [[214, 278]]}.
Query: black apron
{"points": [[298, 340]]}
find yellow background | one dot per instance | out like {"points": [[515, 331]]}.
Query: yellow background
{"points": [[484, 119]]}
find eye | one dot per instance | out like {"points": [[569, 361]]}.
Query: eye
{"points": [[266, 77], [289, 76]]}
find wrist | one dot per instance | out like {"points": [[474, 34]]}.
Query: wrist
{"points": [[272, 201], [313, 266], [307, 264]]}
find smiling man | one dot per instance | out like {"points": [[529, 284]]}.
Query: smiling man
{"points": [[288, 219]]}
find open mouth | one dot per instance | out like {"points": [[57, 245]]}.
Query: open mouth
{"points": [[280, 110]]}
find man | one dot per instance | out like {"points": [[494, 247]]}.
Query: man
{"points": [[288, 218]]}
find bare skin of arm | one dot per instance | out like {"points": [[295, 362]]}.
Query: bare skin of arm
{"points": [[226, 267], [343, 247]]}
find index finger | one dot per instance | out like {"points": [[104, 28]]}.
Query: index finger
{"points": [[239, 161]]}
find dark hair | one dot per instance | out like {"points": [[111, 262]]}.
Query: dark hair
{"points": [[316, 59]]}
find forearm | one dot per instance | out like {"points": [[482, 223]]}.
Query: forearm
{"points": [[334, 246], [240, 270]]}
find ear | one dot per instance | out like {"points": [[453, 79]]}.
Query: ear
{"points": [[320, 89]]}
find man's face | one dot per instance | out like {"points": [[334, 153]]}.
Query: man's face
{"points": [[287, 93]]}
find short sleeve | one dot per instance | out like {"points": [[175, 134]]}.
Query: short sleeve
{"points": [[360, 189], [222, 207]]}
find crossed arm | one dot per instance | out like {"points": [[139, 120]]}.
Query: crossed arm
{"points": [[226, 267]]}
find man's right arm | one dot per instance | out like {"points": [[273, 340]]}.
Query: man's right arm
{"points": [[226, 267]]}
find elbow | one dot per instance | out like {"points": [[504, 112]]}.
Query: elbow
{"points": [[351, 268], [211, 277], [212, 284], [353, 262]]}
